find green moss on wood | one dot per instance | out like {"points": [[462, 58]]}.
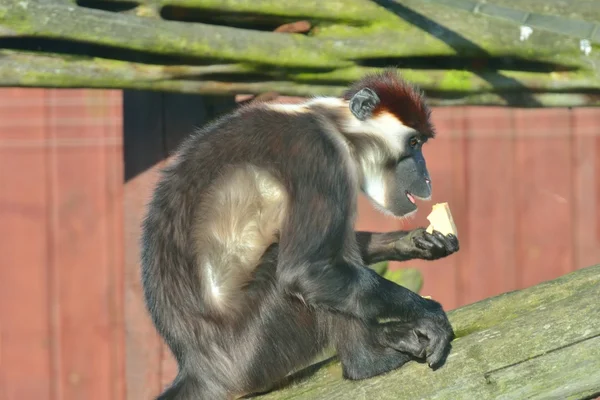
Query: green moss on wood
{"points": [[30, 69], [387, 35], [541, 342], [63, 21], [337, 51], [358, 11]]}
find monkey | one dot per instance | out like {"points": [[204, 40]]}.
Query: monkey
{"points": [[250, 263]]}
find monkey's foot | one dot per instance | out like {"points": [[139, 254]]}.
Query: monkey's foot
{"points": [[402, 337], [427, 337]]}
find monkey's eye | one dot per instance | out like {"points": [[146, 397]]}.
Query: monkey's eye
{"points": [[413, 142]]}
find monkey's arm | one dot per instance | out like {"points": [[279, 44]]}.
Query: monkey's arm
{"points": [[310, 268], [319, 259], [405, 245]]}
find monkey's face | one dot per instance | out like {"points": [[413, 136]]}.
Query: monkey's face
{"points": [[409, 180], [395, 184], [393, 167]]}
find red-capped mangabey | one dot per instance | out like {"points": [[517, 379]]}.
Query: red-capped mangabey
{"points": [[251, 265]]}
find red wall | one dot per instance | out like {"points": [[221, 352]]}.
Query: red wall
{"points": [[523, 186], [61, 245]]}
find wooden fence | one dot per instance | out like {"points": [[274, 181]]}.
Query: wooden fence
{"points": [[524, 186]]}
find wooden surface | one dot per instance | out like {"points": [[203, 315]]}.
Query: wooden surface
{"points": [[523, 186], [542, 342], [476, 52], [61, 247]]}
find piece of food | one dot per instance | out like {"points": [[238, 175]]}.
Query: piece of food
{"points": [[441, 220]]}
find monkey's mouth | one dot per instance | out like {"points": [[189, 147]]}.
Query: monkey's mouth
{"points": [[413, 197]]}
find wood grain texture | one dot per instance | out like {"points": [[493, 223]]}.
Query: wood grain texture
{"points": [[143, 345], [25, 355], [541, 342], [60, 161], [346, 41], [544, 194], [586, 186], [144, 151], [111, 108], [489, 266], [85, 304]]}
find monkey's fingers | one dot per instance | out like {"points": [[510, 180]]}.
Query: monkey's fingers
{"points": [[434, 239], [401, 337], [410, 344], [453, 241], [448, 245], [437, 350], [423, 244]]}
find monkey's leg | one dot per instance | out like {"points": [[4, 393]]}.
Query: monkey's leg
{"points": [[405, 245], [275, 337]]}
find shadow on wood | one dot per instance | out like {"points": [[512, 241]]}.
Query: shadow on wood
{"points": [[540, 342]]}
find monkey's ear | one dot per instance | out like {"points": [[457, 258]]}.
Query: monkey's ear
{"points": [[363, 103]]}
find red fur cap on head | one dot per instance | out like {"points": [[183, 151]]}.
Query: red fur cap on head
{"points": [[397, 97]]}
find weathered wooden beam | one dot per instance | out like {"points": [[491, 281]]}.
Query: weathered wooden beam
{"points": [[581, 22], [475, 59], [37, 19], [403, 30], [542, 343], [446, 87]]}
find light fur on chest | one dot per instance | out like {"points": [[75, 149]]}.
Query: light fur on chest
{"points": [[238, 221]]}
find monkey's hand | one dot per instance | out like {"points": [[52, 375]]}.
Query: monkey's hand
{"points": [[427, 246], [427, 337]]}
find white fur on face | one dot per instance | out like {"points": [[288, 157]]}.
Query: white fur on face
{"points": [[304, 107], [374, 187], [372, 161], [385, 126]]}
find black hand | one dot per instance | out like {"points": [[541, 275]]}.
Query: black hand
{"points": [[431, 246]]}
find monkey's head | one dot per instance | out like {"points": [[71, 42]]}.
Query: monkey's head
{"points": [[389, 124]]}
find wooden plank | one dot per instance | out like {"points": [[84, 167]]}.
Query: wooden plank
{"points": [[576, 377], [81, 291], [143, 129], [459, 199], [25, 371], [110, 107], [543, 195], [586, 185], [524, 327], [143, 345], [489, 268]]}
